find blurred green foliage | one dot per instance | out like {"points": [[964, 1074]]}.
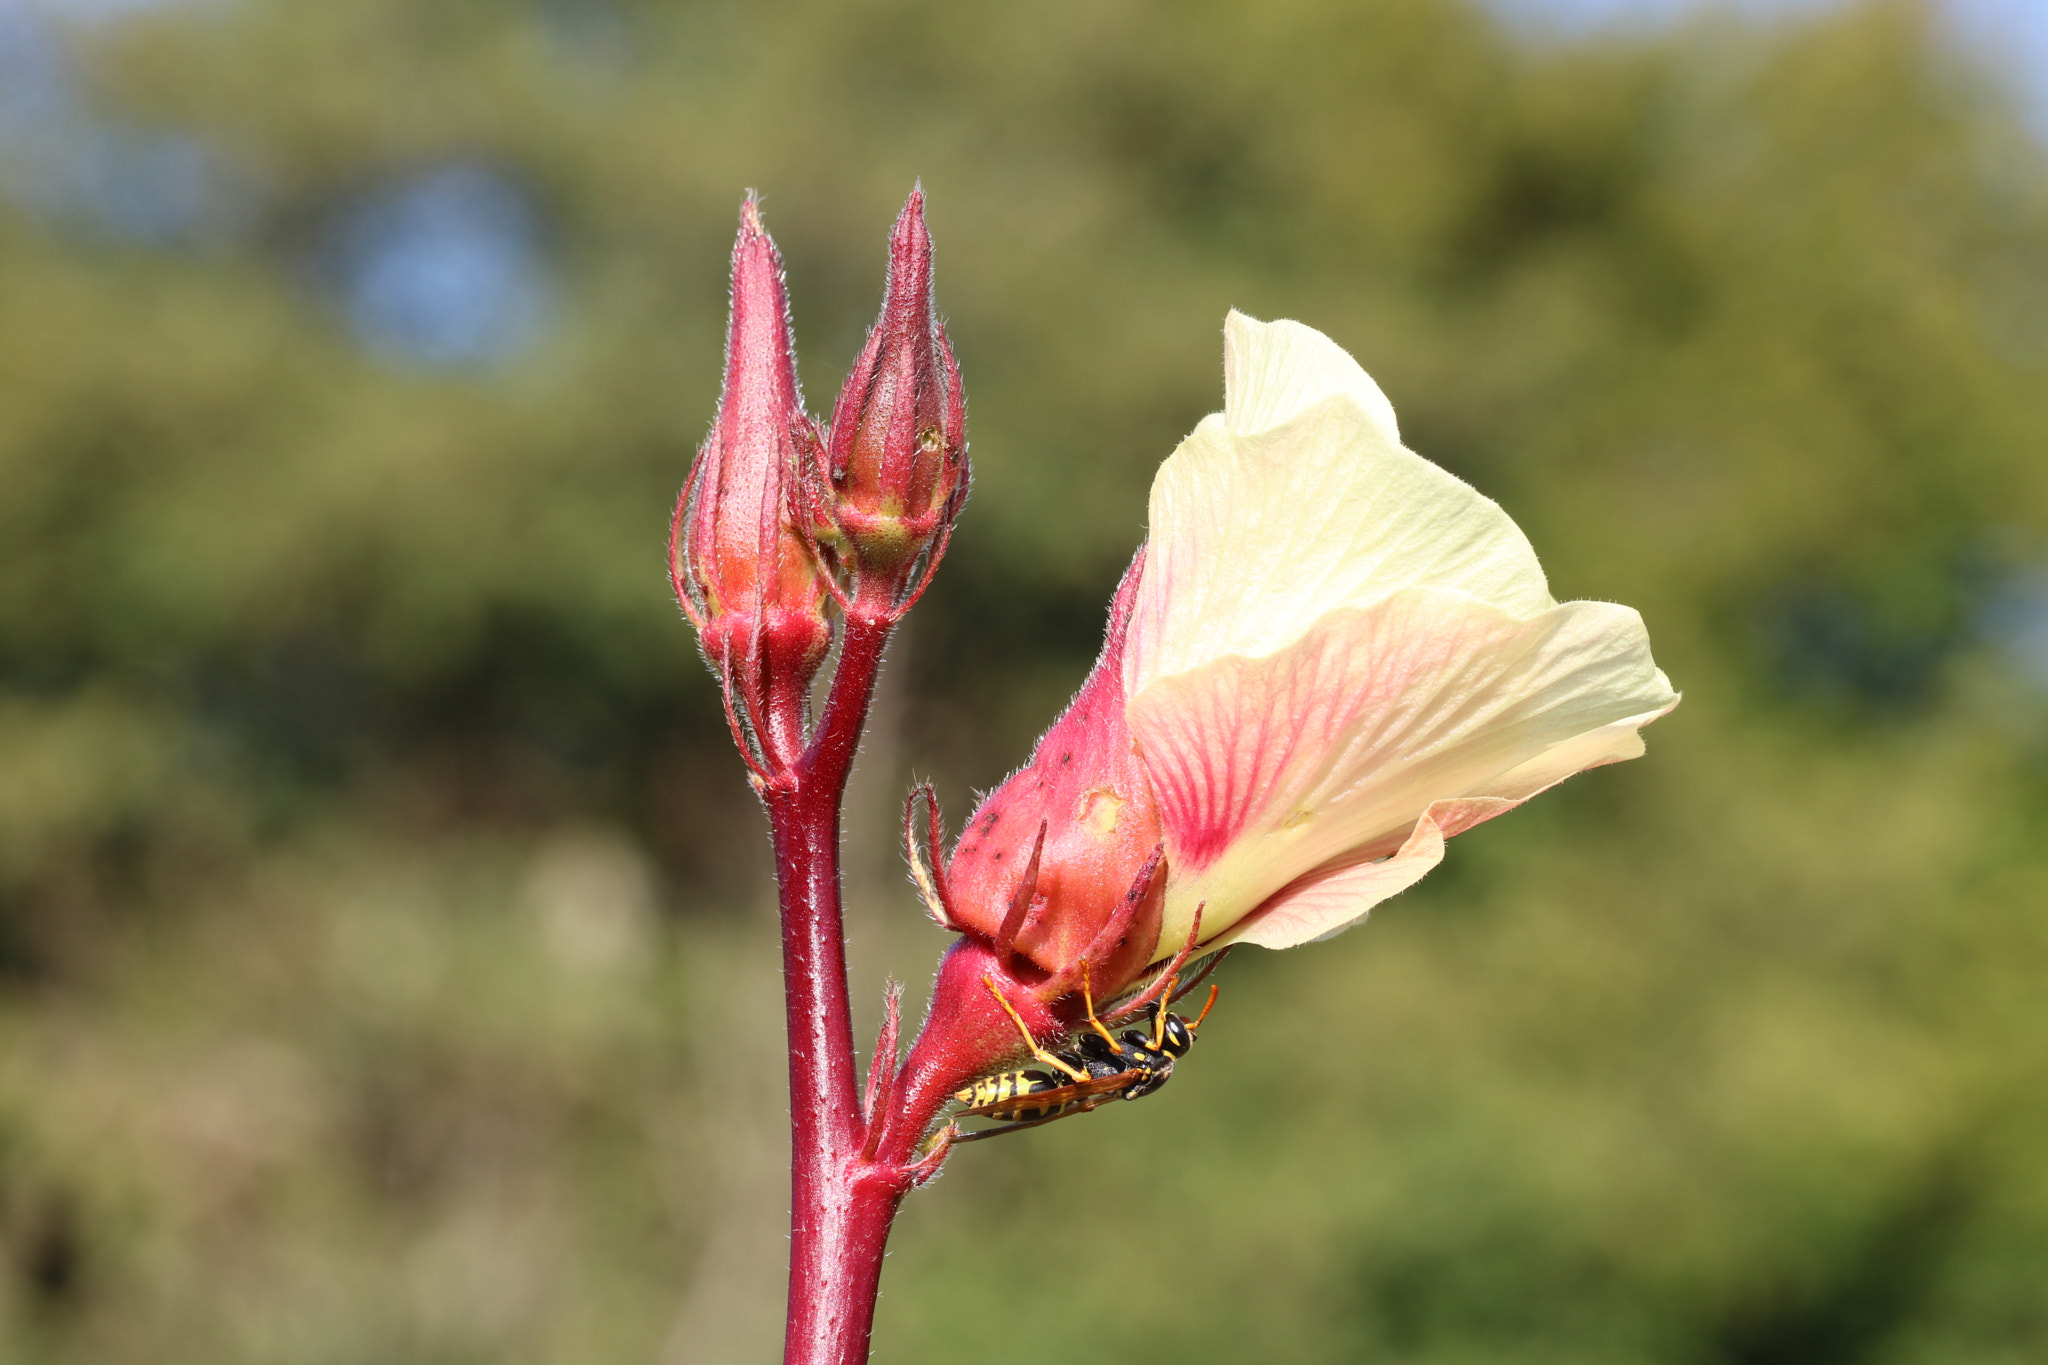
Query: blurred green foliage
{"points": [[384, 968]]}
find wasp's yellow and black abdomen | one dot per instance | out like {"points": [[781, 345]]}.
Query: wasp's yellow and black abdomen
{"points": [[1009, 1085], [1051, 1103]]}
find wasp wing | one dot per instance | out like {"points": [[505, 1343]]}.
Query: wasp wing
{"points": [[1039, 1100]]}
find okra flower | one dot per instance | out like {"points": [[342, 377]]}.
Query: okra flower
{"points": [[1331, 656], [1341, 655]]}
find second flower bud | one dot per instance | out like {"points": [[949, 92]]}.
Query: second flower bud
{"points": [[880, 494]]}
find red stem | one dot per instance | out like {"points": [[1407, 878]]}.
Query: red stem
{"points": [[841, 1206], [848, 1174]]}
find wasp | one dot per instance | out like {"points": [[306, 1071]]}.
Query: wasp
{"points": [[1101, 1066]]}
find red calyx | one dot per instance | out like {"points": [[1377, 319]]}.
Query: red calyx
{"points": [[743, 573], [1062, 863], [882, 493]]}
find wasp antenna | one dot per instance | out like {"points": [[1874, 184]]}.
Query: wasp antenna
{"points": [[1207, 1005]]}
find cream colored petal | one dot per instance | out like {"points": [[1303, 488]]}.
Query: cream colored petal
{"points": [[1615, 743], [1267, 769], [1275, 371], [1330, 900], [1255, 536], [1326, 902]]}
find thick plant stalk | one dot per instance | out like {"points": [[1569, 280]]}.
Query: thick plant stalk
{"points": [[840, 1206]]}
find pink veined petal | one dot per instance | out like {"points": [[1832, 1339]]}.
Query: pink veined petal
{"points": [[1331, 899], [1269, 769], [1334, 897]]}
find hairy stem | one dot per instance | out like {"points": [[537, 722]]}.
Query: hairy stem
{"points": [[840, 1205]]}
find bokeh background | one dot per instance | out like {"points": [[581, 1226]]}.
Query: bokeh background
{"points": [[387, 973]]}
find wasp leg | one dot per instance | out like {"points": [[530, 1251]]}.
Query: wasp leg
{"points": [[1070, 1072], [1088, 998]]}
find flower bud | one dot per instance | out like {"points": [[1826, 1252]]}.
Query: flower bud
{"points": [[746, 577], [884, 490], [1062, 862]]}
